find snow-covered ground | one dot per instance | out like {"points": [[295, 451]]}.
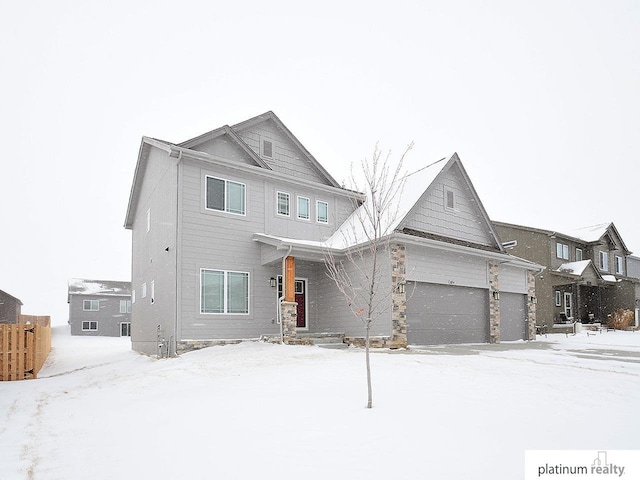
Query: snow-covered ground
{"points": [[101, 411]]}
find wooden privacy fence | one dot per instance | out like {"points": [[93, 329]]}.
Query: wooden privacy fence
{"points": [[24, 347]]}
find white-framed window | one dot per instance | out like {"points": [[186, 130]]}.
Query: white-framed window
{"points": [[266, 148], [562, 251], [558, 298], [619, 265], [604, 260], [449, 199], [148, 220], [283, 203], [225, 196], [91, 305], [144, 290], [322, 211], [153, 291], [125, 306], [224, 292], [89, 326], [304, 207], [578, 254]]}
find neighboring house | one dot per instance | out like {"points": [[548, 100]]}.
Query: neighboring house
{"points": [[586, 277], [219, 220], [10, 308], [633, 266], [99, 307]]}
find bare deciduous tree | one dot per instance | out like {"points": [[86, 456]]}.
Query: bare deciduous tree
{"points": [[357, 270]]}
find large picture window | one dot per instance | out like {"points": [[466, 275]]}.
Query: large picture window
{"points": [[225, 196], [223, 291]]}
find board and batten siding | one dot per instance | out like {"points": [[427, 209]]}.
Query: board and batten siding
{"points": [[464, 222], [151, 262], [431, 265]]}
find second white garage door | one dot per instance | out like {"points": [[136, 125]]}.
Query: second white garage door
{"points": [[443, 314]]}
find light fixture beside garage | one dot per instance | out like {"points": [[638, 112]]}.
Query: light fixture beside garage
{"points": [[402, 288], [272, 282], [496, 294]]}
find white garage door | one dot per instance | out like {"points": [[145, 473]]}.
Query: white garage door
{"points": [[443, 314]]}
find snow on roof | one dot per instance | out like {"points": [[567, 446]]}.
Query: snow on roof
{"points": [[576, 268], [357, 227], [80, 286], [592, 233], [610, 278]]}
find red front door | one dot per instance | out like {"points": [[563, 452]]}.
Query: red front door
{"points": [[301, 287]]}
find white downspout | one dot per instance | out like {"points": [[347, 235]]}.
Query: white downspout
{"points": [[284, 287]]}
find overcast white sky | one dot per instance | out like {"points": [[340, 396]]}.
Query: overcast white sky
{"points": [[540, 99]]}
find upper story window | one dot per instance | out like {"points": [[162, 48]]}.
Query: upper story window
{"points": [[91, 305], [225, 196], [604, 261], [578, 254], [449, 199], [562, 251], [266, 148], [283, 201], [304, 207], [619, 265], [125, 306], [322, 212]]}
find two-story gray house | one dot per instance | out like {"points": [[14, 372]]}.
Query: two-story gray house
{"points": [[230, 231], [99, 307], [586, 277]]}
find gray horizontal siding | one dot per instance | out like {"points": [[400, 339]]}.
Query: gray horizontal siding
{"points": [[512, 279], [436, 266], [465, 222]]}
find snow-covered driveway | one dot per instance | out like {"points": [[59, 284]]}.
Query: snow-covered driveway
{"points": [[256, 410]]}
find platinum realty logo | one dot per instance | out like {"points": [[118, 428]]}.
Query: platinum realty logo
{"points": [[560, 464]]}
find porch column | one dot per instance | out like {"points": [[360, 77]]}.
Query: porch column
{"points": [[531, 305], [494, 304], [289, 307], [398, 296]]}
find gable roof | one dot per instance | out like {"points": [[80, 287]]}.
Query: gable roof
{"points": [[219, 132], [416, 186], [265, 117], [5, 294], [591, 235], [270, 116]]}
